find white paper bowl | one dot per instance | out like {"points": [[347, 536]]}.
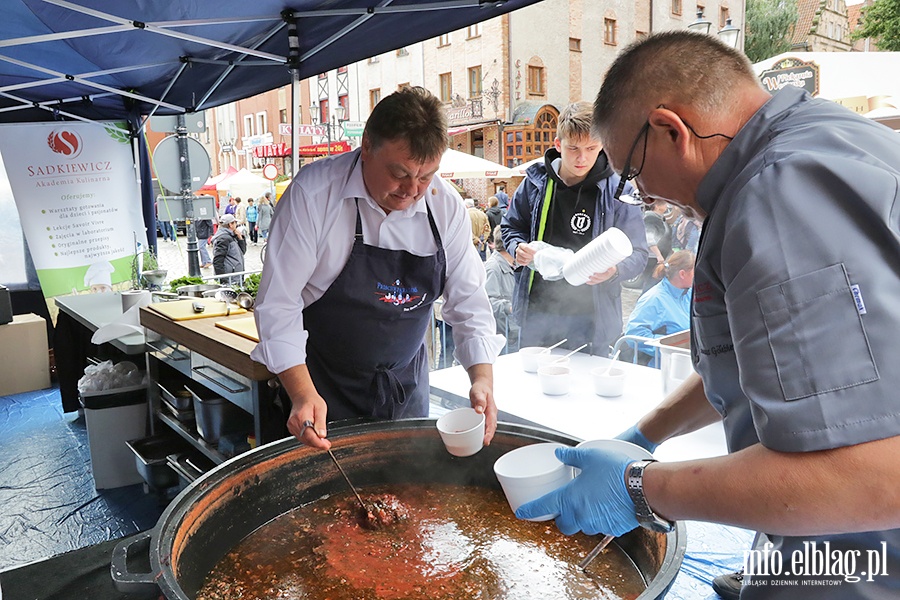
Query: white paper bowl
{"points": [[529, 472], [608, 381], [555, 379], [462, 431], [529, 357]]}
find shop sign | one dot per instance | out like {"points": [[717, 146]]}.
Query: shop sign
{"points": [[287, 128], [470, 111], [791, 71], [271, 150], [227, 147], [320, 149]]}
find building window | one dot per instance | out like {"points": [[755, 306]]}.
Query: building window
{"points": [[344, 102], [402, 52], [723, 16], [574, 45], [676, 7], [323, 75], [528, 143], [403, 86], [640, 35], [475, 82], [444, 40], [609, 31], [535, 80], [248, 125], [282, 116], [373, 60], [261, 125], [474, 31], [374, 98], [342, 69], [323, 110], [446, 87]]}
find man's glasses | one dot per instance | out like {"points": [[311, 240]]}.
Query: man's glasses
{"points": [[629, 173]]}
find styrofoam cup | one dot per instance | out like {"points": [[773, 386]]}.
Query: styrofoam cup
{"points": [[679, 367], [633, 449], [555, 379], [608, 381], [529, 472], [462, 431], [606, 250], [529, 356]]}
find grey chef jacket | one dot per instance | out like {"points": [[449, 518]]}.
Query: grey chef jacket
{"points": [[795, 322]]}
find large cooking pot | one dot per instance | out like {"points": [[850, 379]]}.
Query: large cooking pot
{"points": [[218, 510], [196, 290]]}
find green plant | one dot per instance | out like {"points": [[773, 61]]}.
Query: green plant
{"points": [[150, 261], [251, 284], [186, 280]]}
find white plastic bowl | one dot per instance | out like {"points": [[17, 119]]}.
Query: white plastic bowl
{"points": [[529, 472], [462, 431], [608, 381], [555, 379], [529, 357]]}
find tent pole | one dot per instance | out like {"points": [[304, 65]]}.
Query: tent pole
{"points": [[187, 199], [294, 65]]}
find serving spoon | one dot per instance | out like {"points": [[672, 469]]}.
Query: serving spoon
{"points": [[589, 558]]}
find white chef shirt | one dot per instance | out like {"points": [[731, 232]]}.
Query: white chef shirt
{"points": [[310, 240]]}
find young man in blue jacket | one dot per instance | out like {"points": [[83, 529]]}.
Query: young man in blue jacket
{"points": [[567, 201]]}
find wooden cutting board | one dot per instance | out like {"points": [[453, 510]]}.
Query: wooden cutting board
{"points": [[244, 327], [183, 310]]}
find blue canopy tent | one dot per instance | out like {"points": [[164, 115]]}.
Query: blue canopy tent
{"points": [[127, 59]]}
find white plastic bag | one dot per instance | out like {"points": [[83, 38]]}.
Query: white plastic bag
{"points": [[549, 260]]}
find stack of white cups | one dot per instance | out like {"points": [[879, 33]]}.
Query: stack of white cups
{"points": [[603, 252]]}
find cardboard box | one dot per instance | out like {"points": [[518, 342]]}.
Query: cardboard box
{"points": [[24, 356]]}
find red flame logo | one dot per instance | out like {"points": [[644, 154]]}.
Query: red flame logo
{"points": [[65, 142]]}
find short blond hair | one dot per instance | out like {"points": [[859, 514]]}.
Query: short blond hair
{"points": [[493, 201], [575, 121]]}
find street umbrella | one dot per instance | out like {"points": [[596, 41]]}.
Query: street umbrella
{"points": [[459, 165]]}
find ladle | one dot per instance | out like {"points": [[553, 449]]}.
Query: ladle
{"points": [[595, 552]]}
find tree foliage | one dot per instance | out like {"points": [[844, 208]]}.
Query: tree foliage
{"points": [[769, 25], [881, 22]]}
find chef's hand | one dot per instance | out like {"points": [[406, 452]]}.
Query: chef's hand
{"points": [[524, 254], [481, 395], [594, 502], [601, 277], [311, 409], [634, 435]]}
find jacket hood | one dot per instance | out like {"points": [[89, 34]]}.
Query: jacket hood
{"points": [[601, 169]]}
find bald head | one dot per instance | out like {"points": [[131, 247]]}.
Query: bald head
{"points": [[674, 68]]}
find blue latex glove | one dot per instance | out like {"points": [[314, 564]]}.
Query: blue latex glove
{"points": [[594, 502], [634, 435]]}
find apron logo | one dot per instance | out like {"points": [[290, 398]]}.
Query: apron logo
{"points": [[396, 293], [857, 297], [581, 223]]}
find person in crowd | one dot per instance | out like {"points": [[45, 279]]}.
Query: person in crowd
{"points": [[666, 307], [264, 217], [481, 228], [361, 245], [659, 240], [229, 247], [793, 327], [502, 197], [494, 213], [499, 285], [252, 217], [166, 227], [566, 201], [204, 230], [240, 213], [232, 205], [686, 233]]}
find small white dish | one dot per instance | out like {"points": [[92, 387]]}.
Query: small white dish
{"points": [[555, 379]]}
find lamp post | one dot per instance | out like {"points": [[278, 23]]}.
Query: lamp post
{"points": [[730, 35], [338, 115]]}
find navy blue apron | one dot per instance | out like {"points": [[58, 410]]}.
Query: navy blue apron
{"points": [[366, 347]]}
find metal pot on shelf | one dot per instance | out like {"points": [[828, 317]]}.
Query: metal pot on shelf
{"points": [[196, 290], [218, 510]]}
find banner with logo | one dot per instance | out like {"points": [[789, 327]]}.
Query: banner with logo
{"points": [[78, 199]]}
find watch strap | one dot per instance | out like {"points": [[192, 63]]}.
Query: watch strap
{"points": [[635, 485]]}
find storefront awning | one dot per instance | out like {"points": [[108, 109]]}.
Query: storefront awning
{"points": [[322, 149]]}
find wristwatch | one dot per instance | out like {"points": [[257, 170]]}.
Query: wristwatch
{"points": [[645, 515]]}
